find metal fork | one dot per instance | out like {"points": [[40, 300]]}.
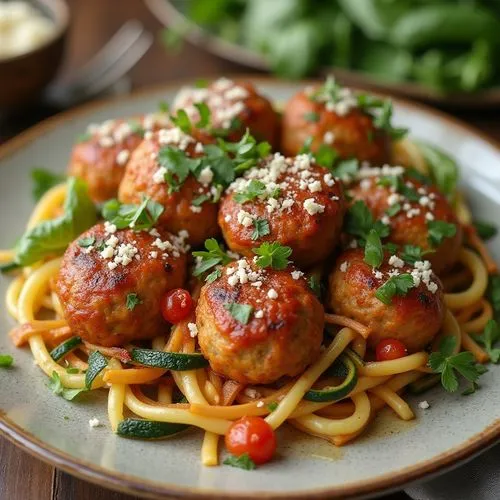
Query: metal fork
{"points": [[125, 48]]}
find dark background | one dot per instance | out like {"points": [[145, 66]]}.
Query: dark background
{"points": [[93, 23]]}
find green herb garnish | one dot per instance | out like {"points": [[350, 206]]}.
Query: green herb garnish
{"points": [[55, 385], [6, 360], [489, 338], [374, 254], [439, 230], [43, 180], [242, 462], [254, 189], [213, 256], [137, 217], [485, 230], [240, 312], [394, 286], [261, 228], [272, 255], [132, 301]]}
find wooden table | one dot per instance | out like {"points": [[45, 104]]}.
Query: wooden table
{"points": [[94, 21]]}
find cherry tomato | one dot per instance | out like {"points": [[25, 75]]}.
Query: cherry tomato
{"points": [[252, 435], [388, 349], [176, 305]]}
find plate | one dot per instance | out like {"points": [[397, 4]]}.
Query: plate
{"points": [[392, 454], [172, 17]]}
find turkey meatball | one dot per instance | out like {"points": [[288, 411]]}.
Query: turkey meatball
{"points": [[416, 213], [257, 325], [414, 317], [188, 202], [111, 282], [102, 154], [292, 201], [334, 119], [234, 107]]}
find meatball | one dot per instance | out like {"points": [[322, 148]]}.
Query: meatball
{"points": [[188, 205], [340, 124], [289, 200], [414, 318], [111, 282], [234, 106], [100, 157], [410, 208], [282, 334]]}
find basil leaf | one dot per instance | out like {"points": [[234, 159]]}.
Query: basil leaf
{"points": [[43, 180], [240, 312]]}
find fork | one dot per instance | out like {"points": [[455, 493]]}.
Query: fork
{"points": [[125, 48]]}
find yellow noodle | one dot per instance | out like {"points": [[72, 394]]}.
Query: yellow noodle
{"points": [[347, 425], [57, 305], [307, 379], [116, 398], [47, 206], [209, 452], [173, 415], [12, 295], [478, 286], [7, 255], [394, 366], [165, 393], [398, 404], [478, 324], [462, 211]]}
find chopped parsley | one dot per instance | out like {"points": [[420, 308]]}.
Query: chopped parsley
{"points": [[177, 165], [137, 217], [6, 360], [55, 385], [346, 169], [43, 180], [493, 293], [326, 156], [412, 254], [272, 255], [163, 107], [201, 83], [393, 210], [359, 222], [382, 120], [132, 301], [240, 312], [485, 230], [198, 201], [489, 338], [306, 147], [261, 228], [451, 365], [182, 121], [205, 114], [213, 276], [254, 189], [396, 285], [374, 253], [136, 128], [272, 406], [315, 285], [311, 116], [439, 230], [86, 242], [213, 256], [71, 370], [242, 462], [86, 136]]}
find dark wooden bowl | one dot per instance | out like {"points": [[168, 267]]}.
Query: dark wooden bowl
{"points": [[25, 76]]}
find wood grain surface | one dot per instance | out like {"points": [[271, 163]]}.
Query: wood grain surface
{"points": [[23, 477]]}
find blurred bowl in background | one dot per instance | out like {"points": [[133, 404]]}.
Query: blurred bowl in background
{"points": [[171, 16], [24, 76]]}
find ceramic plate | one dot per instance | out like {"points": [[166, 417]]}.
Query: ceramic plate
{"points": [[391, 454]]}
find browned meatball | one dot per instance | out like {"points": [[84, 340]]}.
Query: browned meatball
{"points": [[284, 330], [111, 282], [420, 206], [100, 158], [340, 124], [298, 203], [145, 175], [414, 318], [234, 106]]}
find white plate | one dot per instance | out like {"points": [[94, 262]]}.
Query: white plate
{"points": [[391, 454]]}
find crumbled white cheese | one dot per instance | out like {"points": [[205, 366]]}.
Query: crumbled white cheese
{"points": [[260, 404], [328, 137], [297, 274], [259, 313], [245, 218], [424, 405], [159, 175], [312, 207], [122, 157], [395, 261], [344, 266], [206, 176], [272, 293], [193, 330], [94, 422]]}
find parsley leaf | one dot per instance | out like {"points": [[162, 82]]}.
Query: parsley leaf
{"points": [[6, 360], [272, 255], [55, 385], [138, 217], [383, 118], [254, 189], [439, 230], [315, 285], [488, 338], [311, 116], [485, 230], [272, 406], [51, 237], [306, 147], [178, 166], [450, 365], [346, 169], [412, 254], [261, 228], [493, 293], [213, 256], [163, 107], [242, 462], [240, 312], [86, 242], [132, 301], [136, 128], [43, 180], [213, 276], [205, 114], [326, 156], [396, 285], [199, 200], [393, 210], [374, 254], [359, 222], [83, 137], [182, 121]]}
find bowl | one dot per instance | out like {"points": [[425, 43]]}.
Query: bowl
{"points": [[24, 76]]}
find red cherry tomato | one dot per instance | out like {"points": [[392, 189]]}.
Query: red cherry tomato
{"points": [[388, 349], [176, 305], [252, 435]]}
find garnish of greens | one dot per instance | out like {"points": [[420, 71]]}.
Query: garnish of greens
{"points": [[439, 230], [240, 312], [360, 223], [97, 362], [6, 360], [489, 338], [56, 386], [395, 286], [315, 285], [208, 259], [43, 180], [225, 159], [242, 462], [139, 217], [450, 366], [51, 237], [272, 255], [485, 230], [132, 301], [412, 254], [260, 228], [374, 253], [445, 46]]}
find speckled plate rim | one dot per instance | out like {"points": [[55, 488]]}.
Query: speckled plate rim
{"points": [[151, 489]]}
